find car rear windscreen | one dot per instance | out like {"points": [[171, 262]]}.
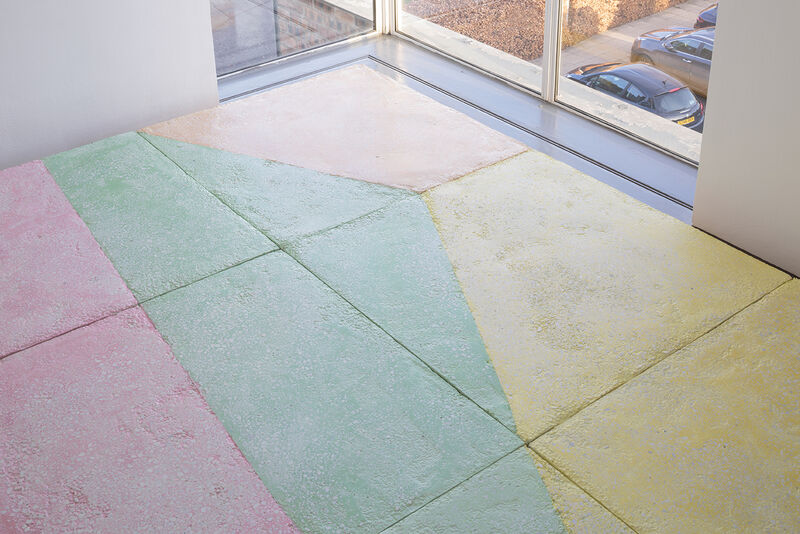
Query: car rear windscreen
{"points": [[675, 101]]}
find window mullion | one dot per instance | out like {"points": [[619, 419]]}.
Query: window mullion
{"points": [[552, 48]]}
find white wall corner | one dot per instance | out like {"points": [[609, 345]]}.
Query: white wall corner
{"points": [[748, 186]]}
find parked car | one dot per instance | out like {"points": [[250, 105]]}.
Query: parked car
{"points": [[681, 52], [646, 87], [707, 17]]}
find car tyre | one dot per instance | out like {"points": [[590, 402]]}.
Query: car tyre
{"points": [[643, 59]]}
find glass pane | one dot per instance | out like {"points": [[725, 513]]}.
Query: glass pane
{"points": [[610, 84], [504, 37], [637, 96], [250, 32], [685, 45], [662, 48]]}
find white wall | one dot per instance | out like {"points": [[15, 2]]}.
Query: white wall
{"points": [[748, 190], [74, 71]]}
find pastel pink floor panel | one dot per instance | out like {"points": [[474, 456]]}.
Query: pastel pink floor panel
{"points": [[352, 122], [53, 275], [101, 430]]}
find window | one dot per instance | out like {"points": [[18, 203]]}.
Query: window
{"points": [[250, 32], [536, 44], [610, 84], [505, 38], [675, 101], [687, 46], [615, 32], [541, 45], [636, 96]]}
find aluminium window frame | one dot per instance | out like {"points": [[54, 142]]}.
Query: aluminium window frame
{"points": [[388, 12]]}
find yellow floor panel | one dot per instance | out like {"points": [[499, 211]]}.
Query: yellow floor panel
{"points": [[707, 440], [576, 287], [579, 512]]}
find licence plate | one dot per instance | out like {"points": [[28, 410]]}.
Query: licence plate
{"points": [[686, 121]]}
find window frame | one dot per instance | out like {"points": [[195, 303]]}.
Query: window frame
{"points": [[389, 12], [683, 39]]}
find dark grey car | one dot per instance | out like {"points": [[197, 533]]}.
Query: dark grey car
{"points": [[645, 87], [682, 52], [707, 17]]}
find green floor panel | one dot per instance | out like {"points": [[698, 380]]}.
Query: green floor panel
{"points": [[507, 497], [160, 229], [348, 430], [391, 265], [283, 201]]}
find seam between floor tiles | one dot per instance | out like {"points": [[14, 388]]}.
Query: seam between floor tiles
{"points": [[521, 445], [237, 264], [426, 364], [138, 303], [65, 332], [531, 445], [672, 353], [525, 150], [192, 178], [445, 492], [595, 499], [538, 136], [280, 244], [390, 204]]}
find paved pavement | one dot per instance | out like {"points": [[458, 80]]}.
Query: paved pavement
{"points": [[615, 44]]}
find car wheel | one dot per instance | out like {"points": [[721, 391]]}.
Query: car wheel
{"points": [[643, 59]]}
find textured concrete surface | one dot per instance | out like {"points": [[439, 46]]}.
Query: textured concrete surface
{"points": [[347, 430], [708, 440], [576, 287], [391, 265], [158, 226], [507, 497], [53, 275], [577, 509], [350, 122], [281, 200], [102, 431], [596, 312]]}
